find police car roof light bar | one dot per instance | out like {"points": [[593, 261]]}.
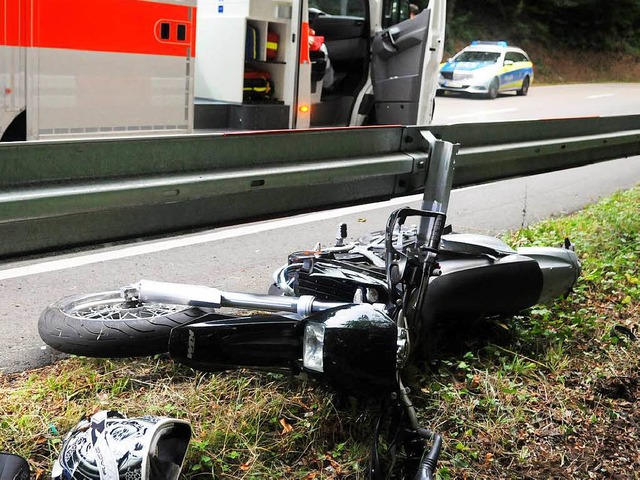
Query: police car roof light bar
{"points": [[501, 43]]}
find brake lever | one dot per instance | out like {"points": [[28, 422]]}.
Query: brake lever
{"points": [[396, 261]]}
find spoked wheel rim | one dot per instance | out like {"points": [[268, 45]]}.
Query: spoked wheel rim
{"points": [[112, 306], [104, 324]]}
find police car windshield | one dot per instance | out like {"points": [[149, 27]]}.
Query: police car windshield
{"points": [[475, 56]]}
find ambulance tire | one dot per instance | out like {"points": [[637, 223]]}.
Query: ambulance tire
{"points": [[525, 87], [493, 89], [17, 129]]}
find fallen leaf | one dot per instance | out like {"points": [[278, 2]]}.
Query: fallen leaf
{"points": [[286, 428]]}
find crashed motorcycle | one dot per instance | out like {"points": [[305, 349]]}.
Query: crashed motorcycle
{"points": [[353, 314]]}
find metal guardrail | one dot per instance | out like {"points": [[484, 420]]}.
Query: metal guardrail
{"points": [[58, 194]]}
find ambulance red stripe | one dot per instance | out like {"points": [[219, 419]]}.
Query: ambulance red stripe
{"points": [[119, 26]]}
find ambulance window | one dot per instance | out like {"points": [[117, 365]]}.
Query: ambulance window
{"points": [[182, 32], [165, 31]]}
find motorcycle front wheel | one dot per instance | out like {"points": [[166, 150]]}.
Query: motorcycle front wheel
{"points": [[104, 325]]}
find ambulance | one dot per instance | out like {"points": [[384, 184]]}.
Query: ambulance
{"points": [[113, 68]]}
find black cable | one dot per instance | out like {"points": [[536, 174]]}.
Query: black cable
{"points": [[427, 466]]}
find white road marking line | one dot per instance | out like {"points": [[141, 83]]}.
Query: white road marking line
{"points": [[197, 239], [482, 114], [602, 95], [147, 248]]}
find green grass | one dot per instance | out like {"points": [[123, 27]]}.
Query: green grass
{"points": [[553, 394], [549, 394]]}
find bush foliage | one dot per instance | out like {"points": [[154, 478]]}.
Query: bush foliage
{"points": [[575, 24]]}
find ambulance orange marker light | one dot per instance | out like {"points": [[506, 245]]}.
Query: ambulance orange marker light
{"points": [[304, 108]]}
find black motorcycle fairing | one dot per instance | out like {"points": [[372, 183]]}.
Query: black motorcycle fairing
{"points": [[217, 342], [360, 349], [359, 346]]}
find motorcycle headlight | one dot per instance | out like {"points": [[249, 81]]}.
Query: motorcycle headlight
{"points": [[353, 347], [313, 347]]}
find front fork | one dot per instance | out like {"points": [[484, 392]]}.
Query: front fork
{"points": [[150, 291]]}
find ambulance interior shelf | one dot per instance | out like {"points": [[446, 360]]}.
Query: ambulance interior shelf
{"points": [[263, 41], [256, 99], [264, 62]]}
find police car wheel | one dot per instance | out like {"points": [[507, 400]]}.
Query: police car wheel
{"points": [[525, 87], [493, 89]]}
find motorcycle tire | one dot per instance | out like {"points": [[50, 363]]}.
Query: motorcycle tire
{"points": [[102, 325]]}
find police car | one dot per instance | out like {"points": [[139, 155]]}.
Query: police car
{"points": [[487, 68]]}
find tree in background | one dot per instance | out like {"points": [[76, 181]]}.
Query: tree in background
{"points": [[585, 24]]}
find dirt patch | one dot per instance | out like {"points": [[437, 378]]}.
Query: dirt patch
{"points": [[618, 388]]}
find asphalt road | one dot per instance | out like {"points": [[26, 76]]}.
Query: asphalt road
{"points": [[557, 101], [243, 257]]}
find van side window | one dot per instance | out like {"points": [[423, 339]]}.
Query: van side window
{"points": [[395, 11]]}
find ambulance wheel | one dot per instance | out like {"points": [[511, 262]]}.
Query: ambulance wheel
{"points": [[525, 87], [104, 325], [493, 89]]}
